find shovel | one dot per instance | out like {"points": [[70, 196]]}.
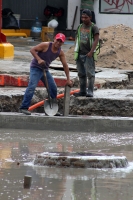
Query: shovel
{"points": [[50, 105]]}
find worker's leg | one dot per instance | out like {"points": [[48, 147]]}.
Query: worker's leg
{"points": [[90, 72], [35, 76], [82, 76]]}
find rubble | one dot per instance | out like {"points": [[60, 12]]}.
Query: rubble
{"points": [[116, 48]]}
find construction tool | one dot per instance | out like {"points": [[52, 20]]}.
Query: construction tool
{"points": [[66, 100], [50, 105], [71, 38], [59, 96]]}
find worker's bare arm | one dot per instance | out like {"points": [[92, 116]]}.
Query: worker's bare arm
{"points": [[66, 68], [40, 47]]}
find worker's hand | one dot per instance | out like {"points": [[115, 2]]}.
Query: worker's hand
{"points": [[69, 83], [41, 62], [90, 54]]}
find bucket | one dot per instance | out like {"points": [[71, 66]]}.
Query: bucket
{"points": [[17, 16], [47, 34]]}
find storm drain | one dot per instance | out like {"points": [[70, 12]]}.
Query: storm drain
{"points": [[80, 160]]}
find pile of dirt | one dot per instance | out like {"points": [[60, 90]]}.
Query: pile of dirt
{"points": [[116, 48]]}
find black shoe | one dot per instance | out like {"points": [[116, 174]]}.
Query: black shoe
{"points": [[58, 114], [25, 111], [79, 94], [89, 94]]}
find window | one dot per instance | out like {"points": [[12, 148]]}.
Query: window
{"points": [[116, 6]]}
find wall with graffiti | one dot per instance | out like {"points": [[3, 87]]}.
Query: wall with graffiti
{"points": [[116, 6], [113, 12]]}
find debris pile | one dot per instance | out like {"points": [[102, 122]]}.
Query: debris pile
{"points": [[116, 48]]}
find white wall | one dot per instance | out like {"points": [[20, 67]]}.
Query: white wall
{"points": [[105, 20], [102, 20], [70, 14]]}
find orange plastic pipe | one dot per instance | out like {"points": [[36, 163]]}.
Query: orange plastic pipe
{"points": [[42, 102]]}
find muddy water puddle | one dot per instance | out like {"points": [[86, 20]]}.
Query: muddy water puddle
{"points": [[19, 147]]}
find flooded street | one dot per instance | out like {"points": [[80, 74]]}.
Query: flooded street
{"points": [[18, 149]]}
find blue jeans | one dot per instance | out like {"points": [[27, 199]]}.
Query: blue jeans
{"points": [[37, 74]]}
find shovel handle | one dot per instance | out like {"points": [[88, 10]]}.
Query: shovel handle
{"points": [[46, 84], [45, 78]]}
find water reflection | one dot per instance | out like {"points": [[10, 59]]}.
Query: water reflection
{"points": [[19, 147]]}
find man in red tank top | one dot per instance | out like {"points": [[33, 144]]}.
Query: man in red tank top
{"points": [[43, 54]]}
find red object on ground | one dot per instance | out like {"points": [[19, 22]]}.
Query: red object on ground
{"points": [[22, 81], [42, 102], [2, 38], [2, 80]]}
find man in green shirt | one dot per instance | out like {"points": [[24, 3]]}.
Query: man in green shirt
{"points": [[85, 61], [88, 4]]}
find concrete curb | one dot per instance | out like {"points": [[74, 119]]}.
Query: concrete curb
{"points": [[82, 124]]}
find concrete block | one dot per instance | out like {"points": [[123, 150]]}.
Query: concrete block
{"points": [[6, 50]]}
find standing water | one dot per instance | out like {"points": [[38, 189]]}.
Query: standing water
{"points": [[19, 148]]}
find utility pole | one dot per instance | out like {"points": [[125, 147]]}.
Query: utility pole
{"points": [[2, 36], [6, 49]]}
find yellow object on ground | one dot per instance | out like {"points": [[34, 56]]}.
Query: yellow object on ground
{"points": [[6, 50], [16, 32], [47, 34]]}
